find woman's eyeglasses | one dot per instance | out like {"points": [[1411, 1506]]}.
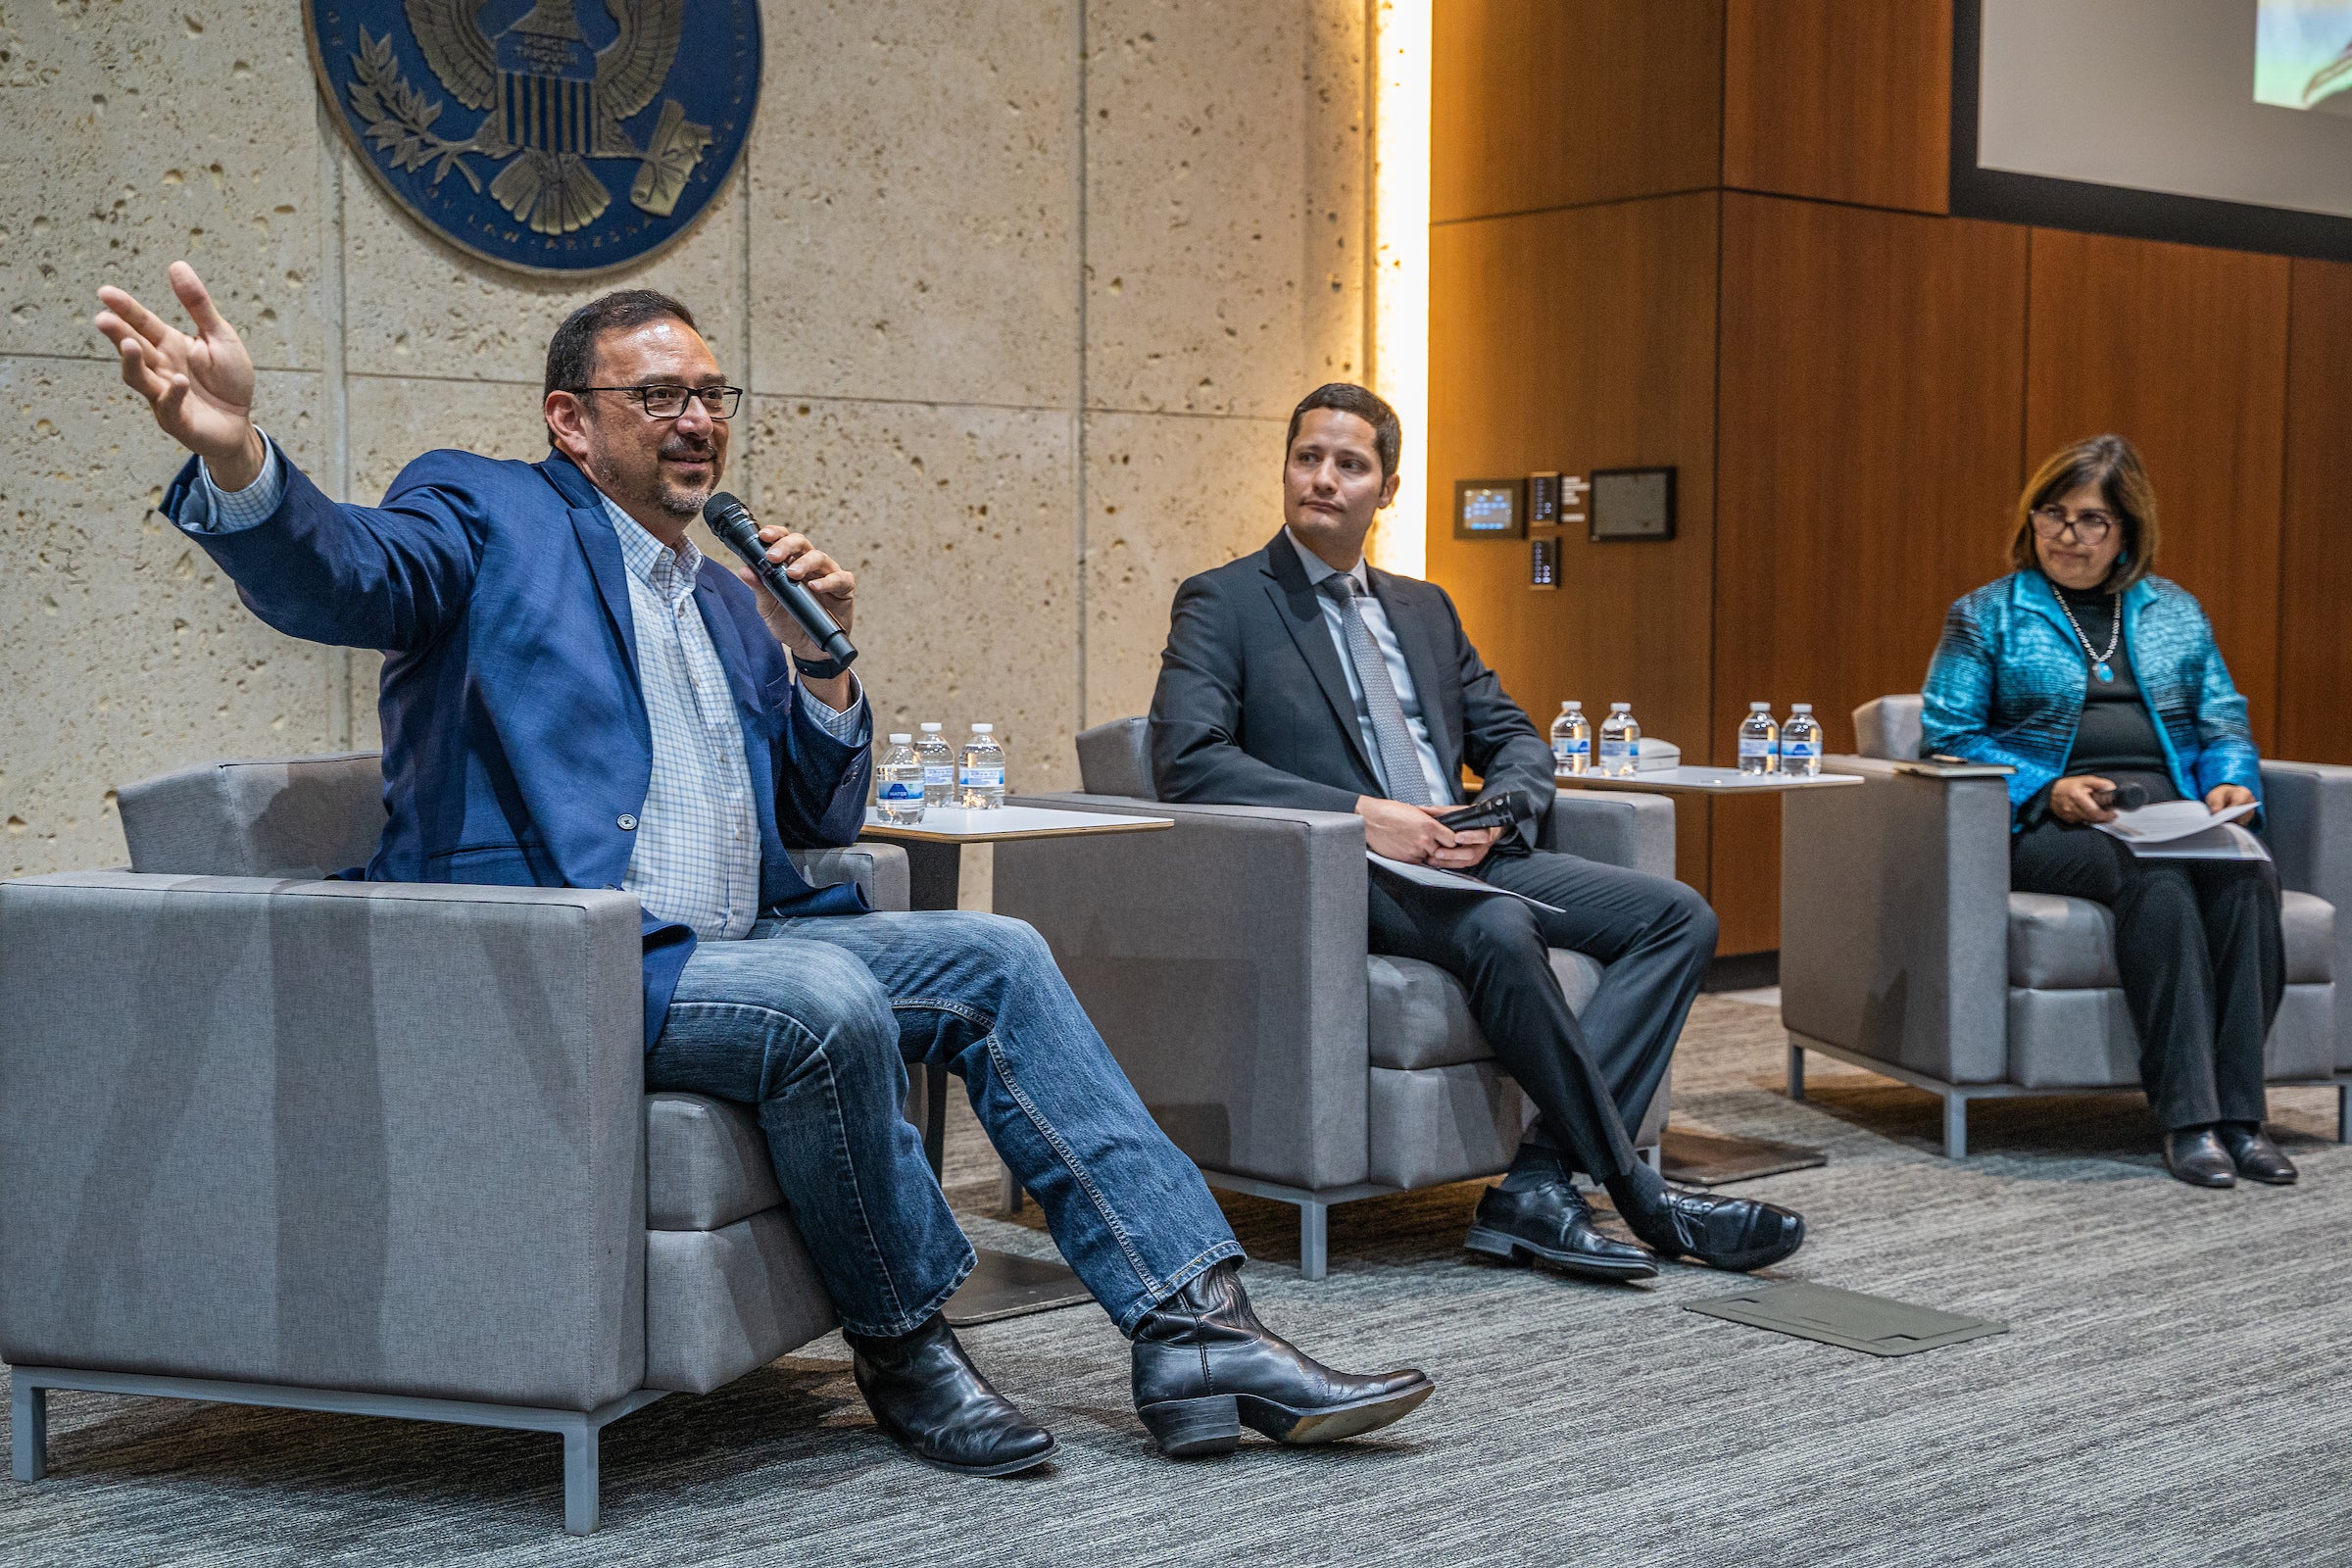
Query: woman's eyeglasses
{"points": [[2090, 526]]}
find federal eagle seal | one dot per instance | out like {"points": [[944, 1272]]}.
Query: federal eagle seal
{"points": [[573, 98]]}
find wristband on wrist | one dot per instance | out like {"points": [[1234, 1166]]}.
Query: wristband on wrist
{"points": [[821, 669]]}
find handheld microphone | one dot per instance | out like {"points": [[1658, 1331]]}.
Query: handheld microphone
{"points": [[2125, 797], [734, 527]]}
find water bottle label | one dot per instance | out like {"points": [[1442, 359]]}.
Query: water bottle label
{"points": [[983, 778], [1617, 749], [1568, 748], [1755, 746], [1796, 749], [904, 790], [939, 775]]}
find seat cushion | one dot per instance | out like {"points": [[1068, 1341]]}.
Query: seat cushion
{"points": [[719, 1303], [705, 1163], [2062, 944], [1419, 1016]]}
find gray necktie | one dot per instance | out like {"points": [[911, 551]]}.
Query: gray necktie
{"points": [[1397, 758]]}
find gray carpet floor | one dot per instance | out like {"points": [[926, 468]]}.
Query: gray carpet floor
{"points": [[2173, 1391]]}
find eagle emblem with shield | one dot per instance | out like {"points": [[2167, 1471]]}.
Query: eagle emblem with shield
{"points": [[554, 136]]}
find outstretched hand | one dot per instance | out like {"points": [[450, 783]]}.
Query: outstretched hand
{"points": [[199, 388]]}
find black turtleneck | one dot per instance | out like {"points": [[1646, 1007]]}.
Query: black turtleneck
{"points": [[2117, 735]]}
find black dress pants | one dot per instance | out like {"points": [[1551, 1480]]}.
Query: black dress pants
{"points": [[1592, 1078], [2202, 956]]}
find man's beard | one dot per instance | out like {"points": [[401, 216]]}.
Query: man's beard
{"points": [[686, 501]]}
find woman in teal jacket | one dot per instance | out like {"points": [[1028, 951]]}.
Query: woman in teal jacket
{"points": [[2087, 673]]}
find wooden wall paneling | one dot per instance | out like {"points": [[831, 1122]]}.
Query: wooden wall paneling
{"points": [[2315, 554], [1873, 374], [1550, 103], [2183, 350], [1846, 100], [1573, 340]]}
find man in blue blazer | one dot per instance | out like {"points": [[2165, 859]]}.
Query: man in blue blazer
{"points": [[574, 697]]}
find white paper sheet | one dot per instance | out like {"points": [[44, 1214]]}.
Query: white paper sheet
{"points": [[2167, 820], [2228, 842], [1431, 876]]}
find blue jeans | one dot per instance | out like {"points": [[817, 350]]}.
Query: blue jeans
{"points": [[814, 1021]]}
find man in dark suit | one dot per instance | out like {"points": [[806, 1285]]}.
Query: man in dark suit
{"points": [[573, 696], [1299, 676]]}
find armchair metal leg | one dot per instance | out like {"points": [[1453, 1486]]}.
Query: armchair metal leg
{"points": [[2343, 1111], [581, 1481], [1313, 1237], [1654, 1157], [1955, 1126], [28, 1431], [1797, 1070], [1009, 1191]]}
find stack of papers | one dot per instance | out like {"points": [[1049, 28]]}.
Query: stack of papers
{"points": [[2185, 830]]}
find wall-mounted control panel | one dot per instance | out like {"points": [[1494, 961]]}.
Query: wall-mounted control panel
{"points": [[1614, 505], [1490, 508], [1632, 504]]}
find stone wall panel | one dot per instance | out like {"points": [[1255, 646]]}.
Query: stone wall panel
{"points": [[421, 307], [1203, 124], [136, 135], [913, 201], [957, 521], [127, 650], [1167, 496]]}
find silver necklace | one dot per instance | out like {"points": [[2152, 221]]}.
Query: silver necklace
{"points": [[2115, 635]]}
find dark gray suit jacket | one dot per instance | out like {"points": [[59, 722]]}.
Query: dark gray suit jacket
{"points": [[1252, 707]]}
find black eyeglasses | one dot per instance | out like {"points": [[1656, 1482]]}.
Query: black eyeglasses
{"points": [[667, 402], [2091, 526]]}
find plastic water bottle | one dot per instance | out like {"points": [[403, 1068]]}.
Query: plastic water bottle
{"points": [[1619, 740], [938, 767], [899, 783], [1759, 740], [1801, 742], [980, 772], [1571, 741]]}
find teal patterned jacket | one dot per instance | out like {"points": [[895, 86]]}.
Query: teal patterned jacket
{"points": [[2008, 681]]}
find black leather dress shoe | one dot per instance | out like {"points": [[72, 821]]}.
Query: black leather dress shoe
{"points": [[1205, 1367], [2196, 1156], [1732, 1233], [930, 1399], [1554, 1223], [2256, 1157]]}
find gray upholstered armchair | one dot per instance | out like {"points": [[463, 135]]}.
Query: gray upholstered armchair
{"points": [[1903, 950], [362, 1146], [1225, 963]]}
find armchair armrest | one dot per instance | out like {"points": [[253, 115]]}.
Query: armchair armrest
{"points": [[1223, 961], [1894, 918], [1613, 827], [345, 1135], [878, 869], [2309, 810]]}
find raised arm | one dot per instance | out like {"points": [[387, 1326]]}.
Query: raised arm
{"points": [[200, 388], [383, 577]]}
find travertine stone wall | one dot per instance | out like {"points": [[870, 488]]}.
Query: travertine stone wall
{"points": [[1024, 290]]}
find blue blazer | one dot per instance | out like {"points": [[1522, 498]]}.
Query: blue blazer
{"points": [[2009, 679], [517, 749]]}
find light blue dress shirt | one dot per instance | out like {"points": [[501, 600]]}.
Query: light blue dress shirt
{"points": [[1443, 791], [697, 854]]}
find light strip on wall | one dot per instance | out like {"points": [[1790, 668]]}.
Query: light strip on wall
{"points": [[1399, 305]]}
